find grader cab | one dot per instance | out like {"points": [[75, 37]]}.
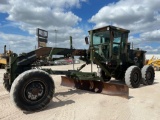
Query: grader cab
{"points": [[32, 89]]}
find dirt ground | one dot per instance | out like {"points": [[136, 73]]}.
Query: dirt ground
{"points": [[72, 104]]}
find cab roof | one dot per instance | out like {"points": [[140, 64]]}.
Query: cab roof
{"points": [[110, 27]]}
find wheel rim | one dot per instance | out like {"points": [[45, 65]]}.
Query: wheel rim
{"points": [[34, 91], [149, 75], [136, 78]]}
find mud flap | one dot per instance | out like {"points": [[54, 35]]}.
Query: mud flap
{"points": [[97, 86]]}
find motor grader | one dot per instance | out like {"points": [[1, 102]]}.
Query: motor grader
{"points": [[3, 57], [32, 88], [155, 62], [2, 62]]}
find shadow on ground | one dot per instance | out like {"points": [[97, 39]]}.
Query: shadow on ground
{"points": [[66, 98], [61, 102]]}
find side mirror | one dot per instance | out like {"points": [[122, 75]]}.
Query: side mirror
{"points": [[86, 40]]}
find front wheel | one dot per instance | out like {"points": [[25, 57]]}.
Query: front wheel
{"points": [[32, 90]]}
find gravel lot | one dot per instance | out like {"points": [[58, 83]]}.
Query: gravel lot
{"points": [[72, 104]]}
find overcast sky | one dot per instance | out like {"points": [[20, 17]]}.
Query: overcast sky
{"points": [[20, 18]]}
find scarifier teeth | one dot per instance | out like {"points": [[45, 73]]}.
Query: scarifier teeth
{"points": [[97, 86]]}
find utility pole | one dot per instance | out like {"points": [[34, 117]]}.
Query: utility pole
{"points": [[55, 37]]}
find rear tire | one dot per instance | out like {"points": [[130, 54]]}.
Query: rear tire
{"points": [[32, 90], [6, 84], [133, 77], [148, 75]]}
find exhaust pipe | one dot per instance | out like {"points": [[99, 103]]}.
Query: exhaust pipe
{"points": [[4, 49]]}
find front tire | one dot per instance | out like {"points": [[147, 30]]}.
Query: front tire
{"points": [[32, 90], [148, 75], [133, 77]]}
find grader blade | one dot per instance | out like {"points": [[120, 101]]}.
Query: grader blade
{"points": [[66, 81], [116, 90], [97, 86]]}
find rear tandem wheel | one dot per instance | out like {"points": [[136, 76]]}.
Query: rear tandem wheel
{"points": [[148, 75], [133, 77]]}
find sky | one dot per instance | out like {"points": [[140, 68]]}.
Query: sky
{"points": [[20, 19]]}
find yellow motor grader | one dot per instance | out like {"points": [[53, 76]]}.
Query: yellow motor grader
{"points": [[155, 62], [3, 62], [3, 57]]}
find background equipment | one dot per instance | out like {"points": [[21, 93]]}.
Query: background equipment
{"points": [[155, 62], [3, 57]]}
